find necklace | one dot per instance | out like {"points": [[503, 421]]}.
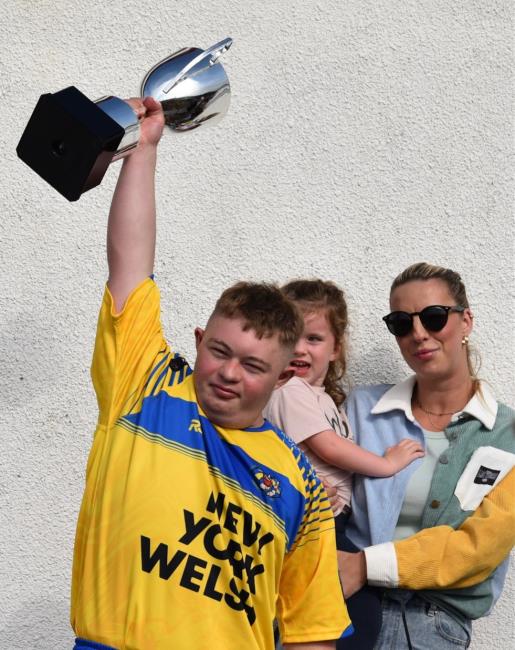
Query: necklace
{"points": [[417, 402], [430, 413]]}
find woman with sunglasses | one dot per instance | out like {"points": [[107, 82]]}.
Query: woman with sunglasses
{"points": [[436, 536]]}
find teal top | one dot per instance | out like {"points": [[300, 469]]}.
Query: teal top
{"points": [[419, 484]]}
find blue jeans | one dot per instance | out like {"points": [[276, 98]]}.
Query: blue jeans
{"points": [[429, 627]]}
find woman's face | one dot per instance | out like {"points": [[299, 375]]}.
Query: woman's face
{"points": [[438, 355]]}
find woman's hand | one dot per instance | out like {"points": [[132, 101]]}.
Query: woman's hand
{"points": [[403, 453], [353, 571], [151, 117]]}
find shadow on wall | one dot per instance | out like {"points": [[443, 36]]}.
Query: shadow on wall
{"points": [[377, 365], [34, 357], [42, 625]]}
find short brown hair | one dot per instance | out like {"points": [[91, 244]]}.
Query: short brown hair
{"points": [[264, 308], [314, 295]]}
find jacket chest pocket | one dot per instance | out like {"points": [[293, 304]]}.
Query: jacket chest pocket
{"points": [[486, 469]]}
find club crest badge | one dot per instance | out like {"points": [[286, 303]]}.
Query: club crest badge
{"points": [[267, 483]]}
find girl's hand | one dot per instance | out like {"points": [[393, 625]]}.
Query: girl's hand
{"points": [[403, 453], [151, 117], [334, 499]]}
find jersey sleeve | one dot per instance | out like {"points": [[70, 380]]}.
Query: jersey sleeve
{"points": [[294, 408], [127, 347], [442, 557], [310, 605]]}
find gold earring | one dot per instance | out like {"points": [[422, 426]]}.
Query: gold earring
{"points": [[465, 340]]}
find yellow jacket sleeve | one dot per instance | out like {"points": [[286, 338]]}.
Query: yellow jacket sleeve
{"points": [[441, 557]]}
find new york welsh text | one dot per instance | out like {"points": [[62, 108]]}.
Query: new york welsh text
{"points": [[234, 561]]}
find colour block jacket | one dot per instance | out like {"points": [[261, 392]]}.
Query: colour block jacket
{"points": [[459, 558]]}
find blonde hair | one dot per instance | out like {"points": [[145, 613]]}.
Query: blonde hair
{"points": [[264, 308], [314, 295], [456, 287]]}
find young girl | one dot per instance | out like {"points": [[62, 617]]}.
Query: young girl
{"points": [[306, 408]]}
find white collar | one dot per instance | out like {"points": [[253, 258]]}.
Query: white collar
{"points": [[482, 405]]}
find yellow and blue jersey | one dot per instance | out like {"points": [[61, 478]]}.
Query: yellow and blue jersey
{"points": [[191, 535]]}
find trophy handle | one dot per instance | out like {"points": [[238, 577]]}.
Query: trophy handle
{"points": [[213, 53]]}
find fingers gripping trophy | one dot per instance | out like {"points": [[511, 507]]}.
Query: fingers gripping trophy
{"points": [[70, 140]]}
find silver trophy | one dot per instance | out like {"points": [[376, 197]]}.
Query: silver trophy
{"points": [[70, 140]]}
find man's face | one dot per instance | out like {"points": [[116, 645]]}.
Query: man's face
{"points": [[235, 372]]}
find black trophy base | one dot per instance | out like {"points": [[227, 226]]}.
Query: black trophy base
{"points": [[69, 141]]}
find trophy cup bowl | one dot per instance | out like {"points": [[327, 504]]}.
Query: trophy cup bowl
{"points": [[70, 140], [192, 87]]}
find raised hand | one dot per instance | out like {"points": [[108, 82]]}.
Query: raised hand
{"points": [[150, 114]]}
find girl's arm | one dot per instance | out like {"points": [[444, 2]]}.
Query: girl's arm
{"points": [[346, 455]]}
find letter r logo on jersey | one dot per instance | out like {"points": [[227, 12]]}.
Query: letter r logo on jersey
{"points": [[195, 426]]}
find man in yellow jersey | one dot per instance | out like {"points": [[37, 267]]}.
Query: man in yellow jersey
{"points": [[200, 522]]}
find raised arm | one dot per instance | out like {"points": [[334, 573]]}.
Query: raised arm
{"points": [[131, 231], [343, 453]]}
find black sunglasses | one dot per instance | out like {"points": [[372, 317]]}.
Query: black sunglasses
{"points": [[434, 318]]}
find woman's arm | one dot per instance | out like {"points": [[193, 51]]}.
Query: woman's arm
{"points": [[442, 557], [343, 453]]}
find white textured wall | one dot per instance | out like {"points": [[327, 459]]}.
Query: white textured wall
{"points": [[362, 136]]}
